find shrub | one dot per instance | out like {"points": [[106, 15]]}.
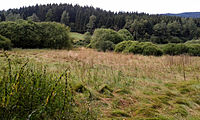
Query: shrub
{"points": [[122, 45], [194, 49], [106, 37], [126, 35], [149, 48], [28, 34], [145, 48], [5, 43], [152, 50], [175, 40], [54, 35], [175, 49], [134, 47], [105, 45]]}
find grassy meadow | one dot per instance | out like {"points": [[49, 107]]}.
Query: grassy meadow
{"points": [[34, 84]]}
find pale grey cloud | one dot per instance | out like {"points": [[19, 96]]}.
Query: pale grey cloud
{"points": [[148, 6]]}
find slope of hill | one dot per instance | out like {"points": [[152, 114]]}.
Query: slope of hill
{"points": [[186, 14]]}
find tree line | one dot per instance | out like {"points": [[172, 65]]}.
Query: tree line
{"points": [[144, 27]]}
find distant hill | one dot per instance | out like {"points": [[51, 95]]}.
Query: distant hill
{"points": [[185, 14]]}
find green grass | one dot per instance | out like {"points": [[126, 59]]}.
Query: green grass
{"points": [[76, 36]]}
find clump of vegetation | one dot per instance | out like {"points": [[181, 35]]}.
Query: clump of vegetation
{"points": [[105, 39], [126, 35], [120, 113], [175, 49], [180, 110], [120, 47], [28, 91], [194, 49], [106, 90], [5, 43], [145, 48], [147, 112], [28, 34], [79, 88], [149, 48], [193, 42]]}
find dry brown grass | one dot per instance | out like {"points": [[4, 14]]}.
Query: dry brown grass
{"points": [[162, 68]]}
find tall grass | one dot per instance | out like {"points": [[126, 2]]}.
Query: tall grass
{"points": [[116, 86], [29, 92]]}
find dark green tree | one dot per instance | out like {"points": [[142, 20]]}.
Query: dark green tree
{"points": [[49, 15], [34, 18], [13, 17], [126, 35], [65, 18], [104, 37], [91, 23]]}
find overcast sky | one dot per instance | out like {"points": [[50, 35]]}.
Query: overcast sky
{"points": [[147, 6]]}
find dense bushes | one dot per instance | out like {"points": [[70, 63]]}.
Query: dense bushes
{"points": [[145, 48], [54, 35], [105, 37], [28, 34], [175, 49], [126, 35], [122, 45], [194, 49], [148, 48], [5, 43]]}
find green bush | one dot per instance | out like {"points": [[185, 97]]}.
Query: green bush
{"points": [[87, 37], [152, 50], [54, 35], [102, 36], [145, 48], [28, 34], [126, 35], [134, 47], [174, 40], [5, 43], [149, 48], [194, 49], [122, 45], [175, 49], [105, 45]]}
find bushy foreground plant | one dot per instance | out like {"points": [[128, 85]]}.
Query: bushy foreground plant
{"points": [[5, 43], [105, 39], [30, 92], [28, 34]]}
